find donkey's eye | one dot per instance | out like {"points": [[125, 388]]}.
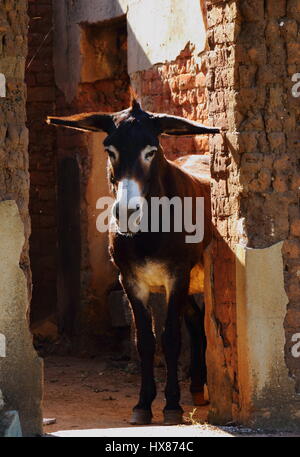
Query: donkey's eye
{"points": [[112, 153], [148, 153]]}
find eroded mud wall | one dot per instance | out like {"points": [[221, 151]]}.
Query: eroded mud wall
{"points": [[20, 369], [254, 52]]}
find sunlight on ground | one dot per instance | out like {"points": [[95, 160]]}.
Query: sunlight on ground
{"points": [[179, 431]]}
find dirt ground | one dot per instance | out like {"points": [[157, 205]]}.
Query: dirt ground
{"points": [[94, 393], [99, 393]]}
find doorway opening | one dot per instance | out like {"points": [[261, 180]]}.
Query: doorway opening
{"points": [[74, 284]]}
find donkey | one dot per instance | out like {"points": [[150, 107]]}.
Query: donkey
{"points": [[151, 261]]}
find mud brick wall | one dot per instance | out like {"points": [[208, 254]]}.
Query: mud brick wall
{"points": [[20, 368], [42, 159], [254, 51], [221, 87], [178, 88], [269, 122], [14, 177]]}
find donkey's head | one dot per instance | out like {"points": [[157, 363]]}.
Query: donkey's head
{"points": [[132, 145]]}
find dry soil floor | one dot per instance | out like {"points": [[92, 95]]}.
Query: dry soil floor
{"points": [[85, 393], [97, 395]]}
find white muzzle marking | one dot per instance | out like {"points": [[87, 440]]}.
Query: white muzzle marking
{"points": [[129, 201], [127, 189]]}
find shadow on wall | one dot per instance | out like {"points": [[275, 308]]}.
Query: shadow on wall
{"points": [[69, 244]]}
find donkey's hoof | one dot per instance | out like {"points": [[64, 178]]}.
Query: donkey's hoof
{"points": [[198, 399], [141, 417], [173, 416]]}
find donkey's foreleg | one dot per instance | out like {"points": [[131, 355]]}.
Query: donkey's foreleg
{"points": [[171, 343], [138, 296]]}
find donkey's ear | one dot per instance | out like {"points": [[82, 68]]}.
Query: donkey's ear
{"points": [[87, 122], [175, 125]]}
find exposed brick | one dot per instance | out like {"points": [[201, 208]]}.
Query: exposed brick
{"points": [[292, 249], [175, 88], [293, 49], [295, 227]]}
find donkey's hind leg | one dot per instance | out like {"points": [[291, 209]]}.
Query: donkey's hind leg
{"points": [[194, 319]]}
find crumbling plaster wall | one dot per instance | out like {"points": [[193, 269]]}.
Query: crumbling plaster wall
{"points": [[267, 394], [20, 368], [159, 39]]}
